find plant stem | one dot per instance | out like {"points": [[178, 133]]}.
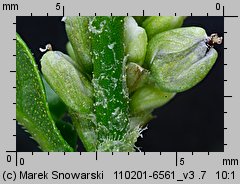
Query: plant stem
{"points": [[109, 79]]}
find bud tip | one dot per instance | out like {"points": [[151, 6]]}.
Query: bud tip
{"points": [[214, 39], [48, 47]]}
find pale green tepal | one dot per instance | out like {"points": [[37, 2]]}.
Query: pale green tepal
{"points": [[70, 51], [71, 86], [147, 98], [157, 24], [135, 40], [180, 58], [79, 37]]}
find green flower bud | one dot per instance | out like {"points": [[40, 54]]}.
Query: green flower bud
{"points": [[135, 40], [71, 86], [157, 24], [78, 35], [147, 98], [180, 58], [75, 91]]}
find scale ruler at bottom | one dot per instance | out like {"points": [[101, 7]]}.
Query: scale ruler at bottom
{"points": [[123, 167]]}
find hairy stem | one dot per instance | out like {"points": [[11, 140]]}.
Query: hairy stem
{"points": [[109, 79]]}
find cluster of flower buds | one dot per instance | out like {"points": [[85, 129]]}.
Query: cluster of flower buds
{"points": [[119, 69]]}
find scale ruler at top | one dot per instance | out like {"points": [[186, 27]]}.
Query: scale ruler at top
{"points": [[137, 167]]}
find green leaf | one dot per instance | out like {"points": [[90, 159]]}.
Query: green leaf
{"points": [[179, 59], [157, 24], [74, 90], [32, 109]]}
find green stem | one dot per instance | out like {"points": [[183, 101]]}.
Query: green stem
{"points": [[109, 79]]}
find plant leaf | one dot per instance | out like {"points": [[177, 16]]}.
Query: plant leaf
{"points": [[32, 109]]}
